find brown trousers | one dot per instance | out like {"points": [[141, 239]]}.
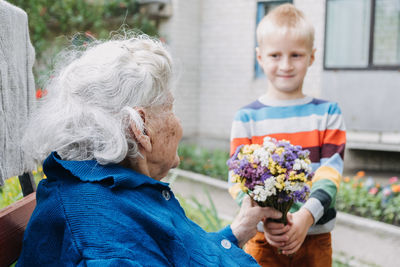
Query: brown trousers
{"points": [[316, 251]]}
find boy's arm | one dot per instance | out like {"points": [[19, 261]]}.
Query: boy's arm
{"points": [[240, 135], [326, 180], [327, 177]]}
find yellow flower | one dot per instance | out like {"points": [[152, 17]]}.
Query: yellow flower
{"points": [[279, 186], [292, 175], [247, 149], [272, 166], [280, 150], [299, 177], [235, 178], [255, 166], [44, 176], [254, 146], [40, 169], [243, 187], [280, 178], [280, 169], [250, 158]]}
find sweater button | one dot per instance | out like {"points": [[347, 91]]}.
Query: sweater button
{"points": [[226, 244], [166, 194]]}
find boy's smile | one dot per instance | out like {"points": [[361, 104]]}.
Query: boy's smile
{"points": [[285, 59]]}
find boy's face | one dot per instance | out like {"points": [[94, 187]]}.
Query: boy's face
{"points": [[285, 60]]}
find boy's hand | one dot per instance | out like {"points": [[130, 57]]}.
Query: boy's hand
{"points": [[300, 223], [276, 233]]}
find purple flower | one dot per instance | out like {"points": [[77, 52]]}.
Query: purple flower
{"points": [[252, 173]]}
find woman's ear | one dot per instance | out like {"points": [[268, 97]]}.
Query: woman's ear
{"points": [[141, 136]]}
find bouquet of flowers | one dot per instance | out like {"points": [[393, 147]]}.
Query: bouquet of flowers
{"points": [[274, 174]]}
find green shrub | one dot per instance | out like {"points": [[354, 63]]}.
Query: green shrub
{"points": [[48, 18], [204, 161], [205, 216], [11, 191], [52, 24], [363, 197], [358, 195]]}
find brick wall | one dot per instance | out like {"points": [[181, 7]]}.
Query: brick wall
{"points": [[181, 32], [214, 42]]}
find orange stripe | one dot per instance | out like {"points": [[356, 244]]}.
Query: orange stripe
{"points": [[335, 137], [304, 139], [237, 142]]}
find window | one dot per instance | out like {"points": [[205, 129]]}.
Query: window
{"points": [[362, 34], [263, 7]]}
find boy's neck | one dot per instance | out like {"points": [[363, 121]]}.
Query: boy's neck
{"points": [[270, 101], [279, 95]]}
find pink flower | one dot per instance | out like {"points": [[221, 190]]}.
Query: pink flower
{"points": [[373, 191], [387, 192], [393, 179]]}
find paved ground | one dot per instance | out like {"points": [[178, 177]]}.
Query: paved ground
{"points": [[357, 242]]}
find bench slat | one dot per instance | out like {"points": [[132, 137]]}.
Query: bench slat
{"points": [[13, 221]]}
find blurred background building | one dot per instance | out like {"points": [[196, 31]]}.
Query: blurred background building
{"points": [[357, 65], [213, 43]]}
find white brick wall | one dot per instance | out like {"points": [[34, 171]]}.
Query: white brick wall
{"points": [[227, 53], [214, 41], [314, 10], [182, 34]]}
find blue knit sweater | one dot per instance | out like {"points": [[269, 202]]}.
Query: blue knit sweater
{"points": [[93, 215]]}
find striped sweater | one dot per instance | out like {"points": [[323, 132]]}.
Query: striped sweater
{"points": [[314, 124]]}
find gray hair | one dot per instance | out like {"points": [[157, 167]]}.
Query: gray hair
{"points": [[91, 100]]}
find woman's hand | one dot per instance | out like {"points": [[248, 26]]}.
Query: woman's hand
{"points": [[244, 226]]}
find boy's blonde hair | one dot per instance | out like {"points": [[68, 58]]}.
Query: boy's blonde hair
{"points": [[285, 19]]}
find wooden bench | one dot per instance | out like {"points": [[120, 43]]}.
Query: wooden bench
{"points": [[13, 221]]}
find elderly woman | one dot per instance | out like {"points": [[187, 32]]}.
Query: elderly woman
{"points": [[109, 133]]}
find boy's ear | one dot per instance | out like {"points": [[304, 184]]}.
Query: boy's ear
{"points": [[312, 56], [141, 137], [258, 55]]}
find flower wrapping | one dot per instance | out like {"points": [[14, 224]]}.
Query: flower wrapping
{"points": [[275, 174]]}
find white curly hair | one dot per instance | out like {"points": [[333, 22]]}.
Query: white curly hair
{"points": [[92, 97]]}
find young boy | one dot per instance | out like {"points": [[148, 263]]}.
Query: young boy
{"points": [[285, 52]]}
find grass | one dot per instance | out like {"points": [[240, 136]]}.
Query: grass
{"points": [[12, 192]]}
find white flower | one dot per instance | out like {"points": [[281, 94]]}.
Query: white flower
{"points": [[297, 165], [301, 164], [295, 187], [262, 156], [305, 166], [269, 146], [269, 185], [262, 192], [259, 193]]}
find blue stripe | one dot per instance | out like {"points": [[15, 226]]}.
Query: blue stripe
{"points": [[335, 162], [315, 166], [260, 113]]}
